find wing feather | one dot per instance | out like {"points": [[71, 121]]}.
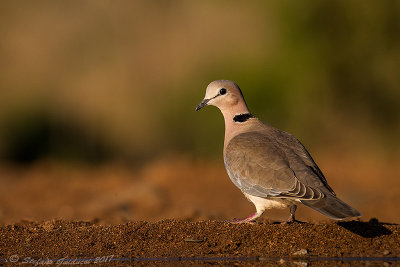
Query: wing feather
{"points": [[263, 164]]}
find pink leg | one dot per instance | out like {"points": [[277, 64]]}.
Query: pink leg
{"points": [[291, 218], [249, 219]]}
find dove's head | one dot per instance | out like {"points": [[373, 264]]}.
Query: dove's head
{"points": [[226, 96]]}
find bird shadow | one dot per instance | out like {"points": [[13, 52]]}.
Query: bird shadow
{"points": [[370, 229]]}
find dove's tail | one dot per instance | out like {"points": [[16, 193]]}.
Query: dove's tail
{"points": [[332, 207]]}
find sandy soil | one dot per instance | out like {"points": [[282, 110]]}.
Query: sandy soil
{"points": [[58, 240]]}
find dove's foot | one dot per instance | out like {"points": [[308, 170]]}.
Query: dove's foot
{"points": [[250, 219], [291, 218]]}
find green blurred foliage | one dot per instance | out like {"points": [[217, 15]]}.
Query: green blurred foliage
{"points": [[120, 79]]}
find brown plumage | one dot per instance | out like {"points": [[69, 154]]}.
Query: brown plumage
{"points": [[271, 167]]}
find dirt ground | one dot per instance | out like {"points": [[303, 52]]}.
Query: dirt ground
{"points": [[178, 207], [52, 240]]}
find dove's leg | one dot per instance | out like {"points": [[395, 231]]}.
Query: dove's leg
{"points": [[248, 219], [291, 218]]}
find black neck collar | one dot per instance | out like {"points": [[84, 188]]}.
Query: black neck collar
{"points": [[242, 117]]}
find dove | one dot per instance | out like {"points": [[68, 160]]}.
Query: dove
{"points": [[270, 166]]}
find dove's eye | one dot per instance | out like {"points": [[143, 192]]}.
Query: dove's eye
{"points": [[222, 91]]}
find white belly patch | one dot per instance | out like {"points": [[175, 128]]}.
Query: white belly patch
{"points": [[264, 203]]}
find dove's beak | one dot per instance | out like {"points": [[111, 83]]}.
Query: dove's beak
{"points": [[202, 104]]}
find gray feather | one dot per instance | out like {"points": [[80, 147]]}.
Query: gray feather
{"points": [[332, 207], [272, 163], [262, 164]]}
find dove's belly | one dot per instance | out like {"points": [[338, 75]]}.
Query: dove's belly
{"points": [[270, 203]]}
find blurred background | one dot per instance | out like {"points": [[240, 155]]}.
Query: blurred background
{"points": [[97, 103]]}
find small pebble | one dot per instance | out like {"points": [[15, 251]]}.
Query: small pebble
{"points": [[48, 226], [301, 263], [302, 251], [386, 252]]}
